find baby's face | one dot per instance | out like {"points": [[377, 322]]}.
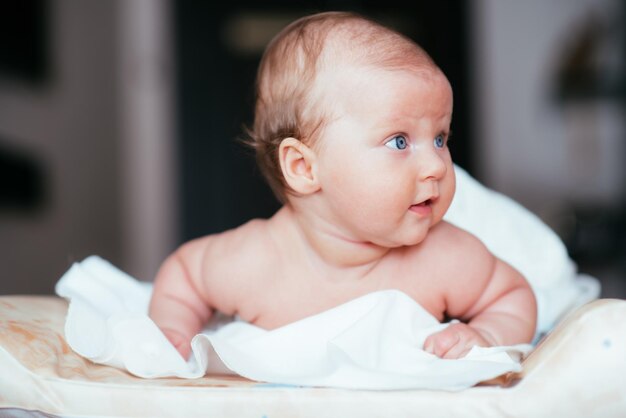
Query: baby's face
{"points": [[384, 164]]}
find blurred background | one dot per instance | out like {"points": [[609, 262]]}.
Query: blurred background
{"points": [[119, 121]]}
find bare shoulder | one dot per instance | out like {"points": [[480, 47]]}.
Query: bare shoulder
{"points": [[447, 252], [235, 244], [454, 241], [467, 253], [232, 261], [461, 264]]}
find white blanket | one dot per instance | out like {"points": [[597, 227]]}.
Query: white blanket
{"points": [[373, 342]]}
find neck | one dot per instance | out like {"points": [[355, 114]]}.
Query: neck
{"points": [[326, 246]]}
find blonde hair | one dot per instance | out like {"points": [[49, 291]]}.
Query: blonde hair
{"points": [[291, 64]]}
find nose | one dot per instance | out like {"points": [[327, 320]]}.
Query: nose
{"points": [[432, 165]]}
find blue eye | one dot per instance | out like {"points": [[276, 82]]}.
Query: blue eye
{"points": [[397, 142], [439, 141]]}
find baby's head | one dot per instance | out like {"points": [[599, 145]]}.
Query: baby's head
{"points": [[294, 97]]}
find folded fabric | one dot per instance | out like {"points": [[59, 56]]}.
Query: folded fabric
{"points": [[372, 342], [519, 237]]}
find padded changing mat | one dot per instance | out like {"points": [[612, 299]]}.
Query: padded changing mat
{"points": [[579, 370]]}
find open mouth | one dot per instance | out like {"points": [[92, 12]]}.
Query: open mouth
{"points": [[423, 208], [426, 202]]}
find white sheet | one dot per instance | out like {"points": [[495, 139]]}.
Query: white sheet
{"points": [[373, 342]]}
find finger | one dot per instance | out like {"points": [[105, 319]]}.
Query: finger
{"points": [[429, 344], [459, 350], [184, 349], [442, 342], [179, 341]]}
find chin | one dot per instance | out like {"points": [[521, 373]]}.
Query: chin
{"points": [[411, 241], [407, 237], [393, 243], [415, 242]]}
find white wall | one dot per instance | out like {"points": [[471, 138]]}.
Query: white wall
{"points": [[102, 130], [544, 156]]}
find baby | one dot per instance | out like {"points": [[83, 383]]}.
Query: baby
{"points": [[351, 131]]}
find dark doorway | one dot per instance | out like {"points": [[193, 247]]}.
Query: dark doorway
{"points": [[221, 187]]}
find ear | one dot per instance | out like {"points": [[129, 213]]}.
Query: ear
{"points": [[298, 163]]}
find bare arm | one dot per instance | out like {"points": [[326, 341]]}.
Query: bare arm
{"points": [[493, 300], [506, 313], [177, 306]]}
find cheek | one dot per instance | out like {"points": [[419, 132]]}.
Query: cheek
{"points": [[356, 177], [450, 178], [369, 194], [447, 191], [385, 208], [348, 185]]}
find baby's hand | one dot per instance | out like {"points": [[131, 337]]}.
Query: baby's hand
{"points": [[179, 341], [455, 341]]}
